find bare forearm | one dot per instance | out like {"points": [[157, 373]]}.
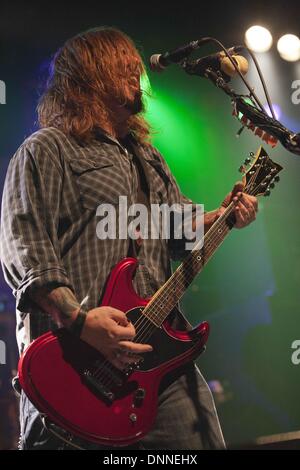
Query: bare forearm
{"points": [[59, 302], [209, 219]]}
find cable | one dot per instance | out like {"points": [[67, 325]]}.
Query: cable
{"points": [[216, 41], [262, 81]]}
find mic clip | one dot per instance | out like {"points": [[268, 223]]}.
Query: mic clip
{"points": [[211, 71]]}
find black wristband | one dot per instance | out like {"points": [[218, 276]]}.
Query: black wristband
{"points": [[77, 325]]}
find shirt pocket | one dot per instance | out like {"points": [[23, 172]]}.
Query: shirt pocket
{"points": [[98, 182]]}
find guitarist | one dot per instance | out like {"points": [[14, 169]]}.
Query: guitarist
{"points": [[92, 147]]}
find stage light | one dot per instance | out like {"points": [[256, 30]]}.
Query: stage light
{"points": [[288, 47], [258, 39]]}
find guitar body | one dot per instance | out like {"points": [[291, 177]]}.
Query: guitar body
{"points": [[79, 390]]}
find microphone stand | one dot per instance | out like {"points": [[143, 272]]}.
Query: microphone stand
{"points": [[258, 117]]}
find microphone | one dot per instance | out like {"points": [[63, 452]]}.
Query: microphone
{"points": [[158, 62], [219, 62]]}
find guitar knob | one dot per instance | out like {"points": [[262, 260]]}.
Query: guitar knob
{"points": [[247, 161], [272, 185], [277, 178], [140, 393], [133, 418], [267, 193]]}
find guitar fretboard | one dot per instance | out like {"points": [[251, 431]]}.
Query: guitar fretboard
{"points": [[258, 179], [167, 297]]}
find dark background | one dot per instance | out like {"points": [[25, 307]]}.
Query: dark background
{"points": [[250, 293]]}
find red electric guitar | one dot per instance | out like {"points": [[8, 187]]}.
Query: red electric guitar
{"points": [[82, 392]]}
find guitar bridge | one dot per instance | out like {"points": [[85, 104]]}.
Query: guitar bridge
{"points": [[105, 393], [108, 375]]}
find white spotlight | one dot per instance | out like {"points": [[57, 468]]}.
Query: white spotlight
{"points": [[288, 47], [258, 39]]}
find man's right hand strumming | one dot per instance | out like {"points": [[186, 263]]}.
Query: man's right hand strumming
{"points": [[104, 328], [109, 331]]}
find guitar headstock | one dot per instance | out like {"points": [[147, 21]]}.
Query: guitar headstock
{"points": [[260, 173]]}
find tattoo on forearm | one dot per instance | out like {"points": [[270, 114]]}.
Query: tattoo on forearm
{"points": [[60, 302], [65, 300]]}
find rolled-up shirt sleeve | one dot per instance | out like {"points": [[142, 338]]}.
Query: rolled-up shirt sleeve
{"points": [[30, 251]]}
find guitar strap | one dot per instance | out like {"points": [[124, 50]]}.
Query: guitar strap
{"points": [[143, 191], [142, 197]]}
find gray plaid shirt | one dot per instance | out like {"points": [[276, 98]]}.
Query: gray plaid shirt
{"points": [[48, 226]]}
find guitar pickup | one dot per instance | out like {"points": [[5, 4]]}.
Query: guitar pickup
{"points": [[105, 393]]}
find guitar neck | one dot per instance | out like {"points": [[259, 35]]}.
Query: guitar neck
{"points": [[258, 179], [167, 297]]}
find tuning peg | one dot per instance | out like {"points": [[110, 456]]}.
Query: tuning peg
{"points": [[249, 158], [272, 185], [242, 169], [267, 192], [277, 178]]}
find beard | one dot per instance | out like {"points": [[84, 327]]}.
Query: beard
{"points": [[136, 105]]}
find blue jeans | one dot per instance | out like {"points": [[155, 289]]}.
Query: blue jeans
{"points": [[186, 419]]}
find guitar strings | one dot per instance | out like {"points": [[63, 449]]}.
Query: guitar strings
{"points": [[149, 329], [188, 271], [143, 334], [144, 320], [185, 272]]}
